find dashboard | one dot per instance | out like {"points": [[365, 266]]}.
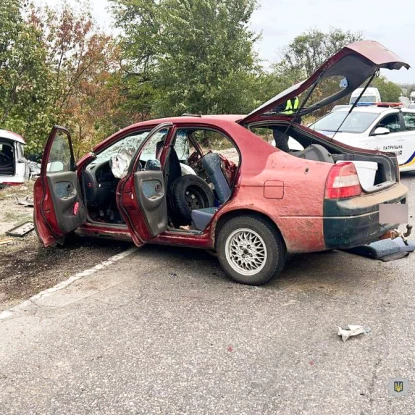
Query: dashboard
{"points": [[99, 184]]}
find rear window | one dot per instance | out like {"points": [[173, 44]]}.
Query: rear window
{"points": [[356, 122]]}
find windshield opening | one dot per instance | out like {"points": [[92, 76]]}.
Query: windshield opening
{"points": [[356, 122]]}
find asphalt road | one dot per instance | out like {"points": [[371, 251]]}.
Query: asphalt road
{"points": [[162, 331]]}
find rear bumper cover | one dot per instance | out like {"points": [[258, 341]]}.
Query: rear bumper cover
{"points": [[352, 222]]}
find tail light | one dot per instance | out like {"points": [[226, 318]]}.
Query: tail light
{"points": [[343, 181]]}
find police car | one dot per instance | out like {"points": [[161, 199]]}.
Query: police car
{"points": [[384, 126]]}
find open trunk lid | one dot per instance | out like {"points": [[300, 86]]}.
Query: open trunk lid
{"points": [[354, 63]]}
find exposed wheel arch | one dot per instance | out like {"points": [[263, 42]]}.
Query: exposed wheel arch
{"points": [[242, 212]]}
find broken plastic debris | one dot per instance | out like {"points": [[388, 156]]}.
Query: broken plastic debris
{"points": [[352, 331], [21, 230], [27, 202]]}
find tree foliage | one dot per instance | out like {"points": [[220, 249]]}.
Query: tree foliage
{"points": [[56, 67], [188, 55], [171, 57], [23, 72], [308, 51], [84, 85], [389, 91]]}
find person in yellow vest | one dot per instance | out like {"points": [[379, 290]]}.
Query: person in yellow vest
{"points": [[288, 108], [291, 106]]}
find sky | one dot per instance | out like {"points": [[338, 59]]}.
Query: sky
{"points": [[280, 21]]}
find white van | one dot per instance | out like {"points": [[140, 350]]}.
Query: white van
{"points": [[370, 96], [14, 168], [412, 97]]}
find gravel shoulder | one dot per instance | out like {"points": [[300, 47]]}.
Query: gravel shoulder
{"points": [[26, 267]]}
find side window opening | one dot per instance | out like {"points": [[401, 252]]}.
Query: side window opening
{"points": [[208, 161], [100, 178], [60, 156], [409, 118], [391, 122], [269, 134]]}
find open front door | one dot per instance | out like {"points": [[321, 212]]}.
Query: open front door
{"points": [[141, 196], [58, 205]]}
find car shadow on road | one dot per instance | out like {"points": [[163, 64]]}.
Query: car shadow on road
{"points": [[333, 270]]}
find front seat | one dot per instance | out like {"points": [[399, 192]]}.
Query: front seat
{"points": [[212, 165], [173, 170]]}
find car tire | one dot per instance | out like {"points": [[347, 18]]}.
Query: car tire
{"points": [[187, 193], [250, 250]]}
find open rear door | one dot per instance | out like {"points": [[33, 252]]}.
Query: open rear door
{"points": [[58, 205], [141, 196]]}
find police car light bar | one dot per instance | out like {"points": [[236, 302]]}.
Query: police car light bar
{"points": [[389, 104]]}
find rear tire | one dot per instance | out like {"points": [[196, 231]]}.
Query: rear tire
{"points": [[250, 250]]}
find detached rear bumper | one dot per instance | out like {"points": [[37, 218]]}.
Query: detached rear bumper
{"points": [[348, 223]]}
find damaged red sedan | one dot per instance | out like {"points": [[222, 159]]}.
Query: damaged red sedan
{"points": [[214, 182]]}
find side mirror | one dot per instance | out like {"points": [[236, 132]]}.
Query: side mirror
{"points": [[54, 166], [381, 131]]}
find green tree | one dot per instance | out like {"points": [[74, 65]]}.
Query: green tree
{"points": [[188, 55], [311, 49], [83, 87], [389, 91], [23, 72]]}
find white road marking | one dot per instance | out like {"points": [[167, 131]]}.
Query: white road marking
{"points": [[32, 300]]}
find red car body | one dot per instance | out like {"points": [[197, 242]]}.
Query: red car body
{"points": [[297, 204]]}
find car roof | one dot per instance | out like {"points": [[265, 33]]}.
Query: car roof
{"points": [[375, 109], [190, 118], [12, 136]]}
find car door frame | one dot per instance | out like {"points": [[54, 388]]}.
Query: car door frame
{"points": [[395, 135], [408, 149], [136, 203], [58, 207]]}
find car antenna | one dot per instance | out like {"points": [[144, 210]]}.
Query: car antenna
{"points": [[357, 100]]}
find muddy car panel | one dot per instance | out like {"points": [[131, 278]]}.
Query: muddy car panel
{"points": [[343, 217]]}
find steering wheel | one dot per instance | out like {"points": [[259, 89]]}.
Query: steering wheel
{"points": [[194, 159]]}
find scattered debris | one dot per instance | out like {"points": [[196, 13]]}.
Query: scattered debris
{"points": [[385, 249], [352, 331], [34, 169], [26, 202], [6, 241], [21, 230]]}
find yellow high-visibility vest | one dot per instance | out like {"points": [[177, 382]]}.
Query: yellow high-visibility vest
{"points": [[291, 106]]}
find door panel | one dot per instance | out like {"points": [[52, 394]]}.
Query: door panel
{"points": [[391, 142], [141, 196], [58, 205], [408, 141], [150, 191], [65, 194]]}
